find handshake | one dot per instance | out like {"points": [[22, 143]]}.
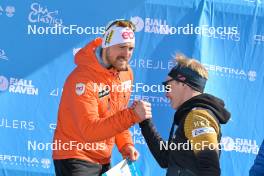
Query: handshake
{"points": [[142, 109]]}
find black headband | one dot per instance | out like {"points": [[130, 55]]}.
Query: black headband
{"points": [[189, 77]]}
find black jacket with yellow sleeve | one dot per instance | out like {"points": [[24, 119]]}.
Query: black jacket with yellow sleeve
{"points": [[193, 149]]}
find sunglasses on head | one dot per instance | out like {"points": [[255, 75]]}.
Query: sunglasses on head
{"points": [[166, 85], [121, 23]]}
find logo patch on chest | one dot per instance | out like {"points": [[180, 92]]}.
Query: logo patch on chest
{"points": [[103, 92], [80, 88]]}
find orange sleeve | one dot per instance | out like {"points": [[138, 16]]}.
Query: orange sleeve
{"points": [[125, 138], [122, 139], [83, 107]]}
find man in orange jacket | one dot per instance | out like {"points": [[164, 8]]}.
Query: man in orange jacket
{"points": [[93, 113]]}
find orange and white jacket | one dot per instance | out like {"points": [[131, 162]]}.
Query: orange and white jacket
{"points": [[89, 114]]}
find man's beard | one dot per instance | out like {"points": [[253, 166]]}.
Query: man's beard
{"points": [[119, 63]]}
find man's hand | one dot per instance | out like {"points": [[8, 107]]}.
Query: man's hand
{"points": [[143, 109], [129, 151]]}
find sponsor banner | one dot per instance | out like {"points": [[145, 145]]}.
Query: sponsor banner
{"points": [[18, 86]]}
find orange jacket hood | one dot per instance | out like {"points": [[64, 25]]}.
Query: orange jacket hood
{"points": [[86, 57]]}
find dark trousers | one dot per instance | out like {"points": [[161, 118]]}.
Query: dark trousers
{"points": [[176, 170], [77, 167]]}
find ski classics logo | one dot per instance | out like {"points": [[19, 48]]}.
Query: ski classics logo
{"points": [[137, 136], [41, 14], [52, 24], [80, 88]]}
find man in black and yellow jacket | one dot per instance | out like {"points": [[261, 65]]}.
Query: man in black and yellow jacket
{"points": [[193, 148]]}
